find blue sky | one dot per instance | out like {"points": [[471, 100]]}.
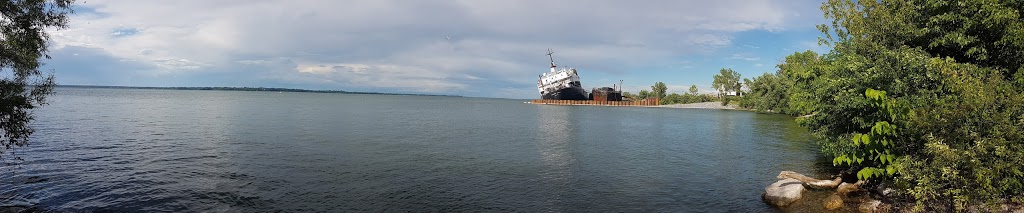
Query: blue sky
{"points": [[482, 48]]}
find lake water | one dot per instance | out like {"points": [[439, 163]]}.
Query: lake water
{"points": [[169, 150]]}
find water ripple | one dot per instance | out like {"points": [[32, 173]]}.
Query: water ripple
{"points": [[217, 151]]}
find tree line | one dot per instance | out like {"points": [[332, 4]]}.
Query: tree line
{"points": [[659, 90], [727, 83]]}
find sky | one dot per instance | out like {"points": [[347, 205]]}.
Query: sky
{"points": [[477, 48]]}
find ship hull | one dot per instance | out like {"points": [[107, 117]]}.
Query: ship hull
{"points": [[568, 93]]}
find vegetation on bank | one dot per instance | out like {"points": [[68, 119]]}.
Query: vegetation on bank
{"points": [[23, 87], [923, 96], [659, 89]]}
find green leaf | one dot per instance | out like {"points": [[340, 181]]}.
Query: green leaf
{"points": [[865, 139], [871, 94], [864, 173], [838, 160]]}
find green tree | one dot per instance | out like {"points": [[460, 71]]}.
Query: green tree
{"points": [[658, 90], [643, 94], [24, 35], [955, 66], [726, 80], [800, 72], [768, 93], [693, 89], [986, 33]]}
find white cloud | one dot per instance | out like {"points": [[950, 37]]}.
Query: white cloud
{"points": [[421, 45], [745, 57]]}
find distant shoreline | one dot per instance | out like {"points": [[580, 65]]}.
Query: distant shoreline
{"points": [[701, 105], [260, 89]]}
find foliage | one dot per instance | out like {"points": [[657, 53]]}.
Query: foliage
{"points": [[687, 98], [798, 72], [643, 94], [693, 89], [985, 33], [791, 89], [726, 80], [767, 94], [23, 28], [873, 149], [951, 106], [927, 95], [972, 151], [726, 100], [658, 90]]}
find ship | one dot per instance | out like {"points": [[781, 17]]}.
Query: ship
{"points": [[560, 83]]}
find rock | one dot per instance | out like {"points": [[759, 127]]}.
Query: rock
{"points": [[833, 202], [869, 206], [886, 192], [783, 192], [846, 188]]}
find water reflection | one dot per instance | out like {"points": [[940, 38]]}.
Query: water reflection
{"points": [[555, 133]]}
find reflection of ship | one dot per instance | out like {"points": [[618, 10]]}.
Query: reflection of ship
{"points": [[561, 84]]}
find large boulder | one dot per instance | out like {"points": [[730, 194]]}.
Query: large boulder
{"points": [[783, 192]]}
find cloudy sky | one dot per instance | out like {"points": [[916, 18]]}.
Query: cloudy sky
{"points": [[483, 48]]}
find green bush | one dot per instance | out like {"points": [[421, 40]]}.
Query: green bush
{"points": [[972, 150], [962, 141], [926, 96], [686, 98]]}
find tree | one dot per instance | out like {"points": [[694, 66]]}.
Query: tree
{"points": [[800, 72], [768, 93], [693, 89], [726, 80], [658, 90], [927, 96], [23, 29], [643, 94]]}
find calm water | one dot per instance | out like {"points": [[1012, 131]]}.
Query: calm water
{"points": [[166, 150]]}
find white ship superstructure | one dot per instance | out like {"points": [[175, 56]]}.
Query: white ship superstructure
{"points": [[560, 84]]}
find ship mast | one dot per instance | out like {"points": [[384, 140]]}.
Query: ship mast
{"points": [[552, 59]]}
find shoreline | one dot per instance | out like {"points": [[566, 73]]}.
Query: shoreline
{"points": [[701, 105]]}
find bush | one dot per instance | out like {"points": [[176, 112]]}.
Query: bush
{"points": [[972, 151], [686, 98], [923, 95]]}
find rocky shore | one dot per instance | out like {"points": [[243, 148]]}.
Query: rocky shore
{"points": [[844, 197]]}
